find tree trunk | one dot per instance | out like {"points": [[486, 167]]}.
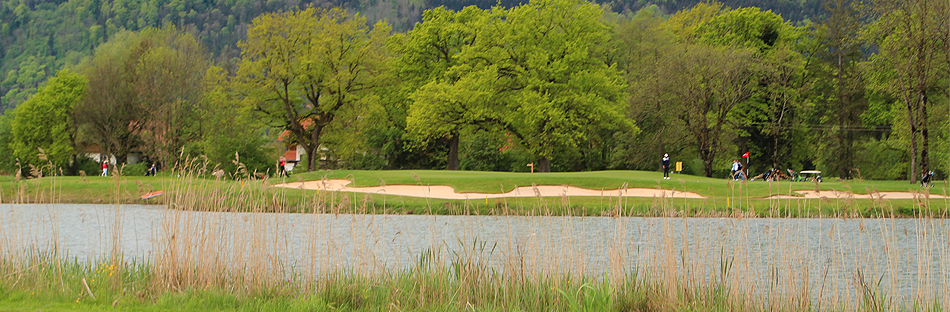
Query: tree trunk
{"points": [[544, 165], [913, 154], [73, 168], [312, 157], [454, 152], [924, 137], [844, 151], [120, 158], [844, 123], [707, 156], [774, 149], [706, 146], [314, 147], [707, 167]]}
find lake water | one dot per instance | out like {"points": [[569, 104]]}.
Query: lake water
{"points": [[904, 258]]}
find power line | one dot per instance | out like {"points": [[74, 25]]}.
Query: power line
{"points": [[824, 127]]}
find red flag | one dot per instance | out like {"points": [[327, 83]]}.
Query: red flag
{"points": [[746, 155]]}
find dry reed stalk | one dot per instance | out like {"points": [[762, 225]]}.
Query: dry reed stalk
{"points": [[617, 268]]}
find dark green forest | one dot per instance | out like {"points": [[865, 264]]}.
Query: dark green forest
{"points": [[856, 89]]}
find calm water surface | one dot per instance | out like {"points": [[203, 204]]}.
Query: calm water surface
{"points": [[906, 258]]}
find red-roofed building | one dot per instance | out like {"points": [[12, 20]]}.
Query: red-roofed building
{"points": [[291, 156], [294, 153]]}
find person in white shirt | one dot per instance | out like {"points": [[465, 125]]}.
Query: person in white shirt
{"points": [[737, 170], [666, 166]]}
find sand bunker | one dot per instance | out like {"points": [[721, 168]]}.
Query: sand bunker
{"points": [[447, 192], [846, 195]]}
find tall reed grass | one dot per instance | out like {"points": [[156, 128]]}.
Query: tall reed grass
{"points": [[235, 239]]}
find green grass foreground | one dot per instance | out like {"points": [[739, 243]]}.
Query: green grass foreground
{"points": [[64, 286], [724, 197]]}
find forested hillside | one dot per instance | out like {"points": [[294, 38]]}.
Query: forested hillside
{"points": [[857, 90], [39, 37]]}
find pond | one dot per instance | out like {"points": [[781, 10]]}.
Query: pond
{"points": [[827, 258]]}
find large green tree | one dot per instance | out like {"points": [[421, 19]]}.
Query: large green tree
{"points": [[842, 82], [110, 114], [144, 90], [44, 122], [169, 73], [538, 72], [644, 45], [912, 64], [7, 159], [557, 88], [229, 131], [710, 81], [302, 69], [765, 119], [425, 56], [713, 67]]}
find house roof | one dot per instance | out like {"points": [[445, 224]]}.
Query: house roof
{"points": [[286, 135], [291, 153]]}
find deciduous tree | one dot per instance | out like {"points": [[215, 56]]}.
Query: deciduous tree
{"points": [[45, 121], [913, 63], [300, 69], [537, 73], [764, 119], [426, 55], [643, 52], [841, 52], [709, 82], [110, 114], [168, 87], [144, 90], [556, 88], [229, 128]]}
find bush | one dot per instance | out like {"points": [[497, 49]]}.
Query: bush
{"points": [[89, 165], [251, 151], [482, 151], [880, 160], [362, 161], [7, 160], [518, 159], [133, 170]]}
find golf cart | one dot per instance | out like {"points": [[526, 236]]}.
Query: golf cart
{"points": [[805, 174]]}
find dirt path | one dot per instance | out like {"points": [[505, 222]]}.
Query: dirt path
{"points": [[447, 192]]}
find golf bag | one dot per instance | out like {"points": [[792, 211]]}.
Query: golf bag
{"points": [[927, 179]]}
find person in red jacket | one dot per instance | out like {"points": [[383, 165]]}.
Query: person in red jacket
{"points": [[105, 168], [281, 169]]}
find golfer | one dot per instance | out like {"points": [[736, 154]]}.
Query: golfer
{"points": [[666, 166], [737, 170]]}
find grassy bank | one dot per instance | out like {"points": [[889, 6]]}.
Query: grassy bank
{"points": [[724, 197], [55, 286]]}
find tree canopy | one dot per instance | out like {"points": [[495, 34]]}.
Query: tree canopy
{"points": [[536, 71], [44, 129], [301, 69]]}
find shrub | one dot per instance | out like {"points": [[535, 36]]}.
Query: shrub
{"points": [[880, 160], [89, 165], [133, 170], [482, 151]]}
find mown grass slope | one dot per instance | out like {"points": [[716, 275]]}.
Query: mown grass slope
{"points": [[723, 196]]}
